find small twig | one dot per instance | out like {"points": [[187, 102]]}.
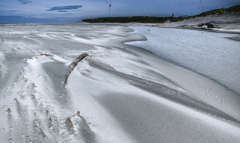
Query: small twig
{"points": [[74, 64], [44, 54], [71, 121], [78, 114]]}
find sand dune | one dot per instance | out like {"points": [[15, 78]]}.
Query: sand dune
{"points": [[124, 93]]}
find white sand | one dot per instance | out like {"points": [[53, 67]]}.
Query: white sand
{"points": [[124, 93]]}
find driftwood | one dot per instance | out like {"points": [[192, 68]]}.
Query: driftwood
{"points": [[74, 64], [78, 114], [44, 54]]}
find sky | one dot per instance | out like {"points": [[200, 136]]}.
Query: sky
{"points": [[68, 11]]}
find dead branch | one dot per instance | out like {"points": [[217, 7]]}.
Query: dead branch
{"points": [[70, 118], [74, 64], [44, 54]]}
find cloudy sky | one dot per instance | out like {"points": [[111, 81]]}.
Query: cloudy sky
{"points": [[63, 11]]}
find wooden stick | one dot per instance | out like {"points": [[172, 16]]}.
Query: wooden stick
{"points": [[70, 118], [74, 64], [71, 121]]}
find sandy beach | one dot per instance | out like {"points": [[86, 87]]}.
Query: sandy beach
{"points": [[124, 93]]}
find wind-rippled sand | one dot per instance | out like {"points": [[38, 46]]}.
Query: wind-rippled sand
{"points": [[124, 93]]}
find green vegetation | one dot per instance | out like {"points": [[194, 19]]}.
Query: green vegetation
{"points": [[141, 19], [231, 10], [150, 19]]}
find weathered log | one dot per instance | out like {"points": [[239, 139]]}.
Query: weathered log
{"points": [[74, 64]]}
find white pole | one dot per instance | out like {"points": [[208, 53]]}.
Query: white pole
{"points": [[110, 10], [199, 7]]}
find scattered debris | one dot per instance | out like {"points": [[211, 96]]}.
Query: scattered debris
{"points": [[74, 64], [44, 54], [34, 57], [70, 118]]}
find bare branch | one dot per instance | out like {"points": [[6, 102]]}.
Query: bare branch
{"points": [[74, 64]]}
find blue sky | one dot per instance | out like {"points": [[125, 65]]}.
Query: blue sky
{"points": [[64, 11]]}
